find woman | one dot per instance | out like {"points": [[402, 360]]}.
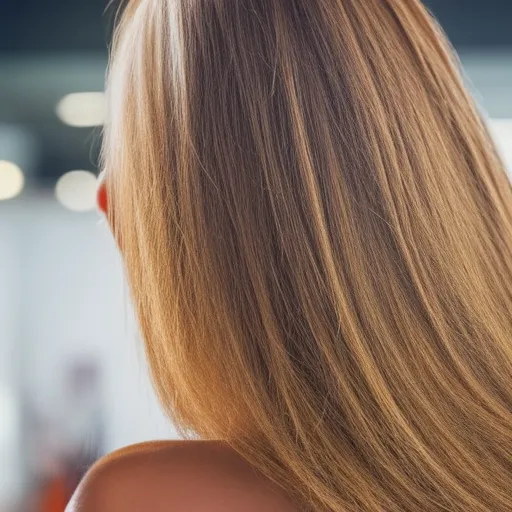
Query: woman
{"points": [[317, 231]]}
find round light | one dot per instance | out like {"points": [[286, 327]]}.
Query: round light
{"points": [[76, 190], [82, 109], [11, 180]]}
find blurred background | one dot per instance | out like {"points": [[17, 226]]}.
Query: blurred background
{"points": [[73, 380]]}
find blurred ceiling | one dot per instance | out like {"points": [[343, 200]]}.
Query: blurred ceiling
{"points": [[40, 26], [49, 48], [48, 26]]}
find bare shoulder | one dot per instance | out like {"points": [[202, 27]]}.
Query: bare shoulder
{"points": [[197, 476]]}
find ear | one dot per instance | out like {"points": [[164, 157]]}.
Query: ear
{"points": [[101, 195], [102, 201]]}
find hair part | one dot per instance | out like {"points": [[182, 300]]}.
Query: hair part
{"points": [[317, 231]]}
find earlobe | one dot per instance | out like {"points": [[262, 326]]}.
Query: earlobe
{"points": [[101, 196], [104, 206]]}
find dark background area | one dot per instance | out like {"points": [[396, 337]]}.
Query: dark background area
{"points": [[39, 26]]}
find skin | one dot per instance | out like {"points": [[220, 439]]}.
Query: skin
{"points": [[175, 476]]}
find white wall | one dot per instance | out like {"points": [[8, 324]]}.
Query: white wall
{"points": [[10, 464], [62, 294], [78, 302]]}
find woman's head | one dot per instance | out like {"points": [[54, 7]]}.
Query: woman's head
{"points": [[318, 235]]}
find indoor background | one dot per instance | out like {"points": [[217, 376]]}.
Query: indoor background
{"points": [[73, 381]]}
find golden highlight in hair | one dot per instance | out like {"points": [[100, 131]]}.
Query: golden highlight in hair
{"points": [[317, 231]]}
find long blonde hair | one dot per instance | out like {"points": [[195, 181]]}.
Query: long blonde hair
{"points": [[317, 231]]}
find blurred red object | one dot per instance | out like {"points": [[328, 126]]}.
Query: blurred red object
{"points": [[55, 495]]}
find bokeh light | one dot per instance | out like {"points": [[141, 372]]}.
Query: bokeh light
{"points": [[11, 180], [76, 190], [82, 109]]}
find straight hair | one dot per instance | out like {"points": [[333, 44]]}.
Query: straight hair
{"points": [[317, 231]]}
